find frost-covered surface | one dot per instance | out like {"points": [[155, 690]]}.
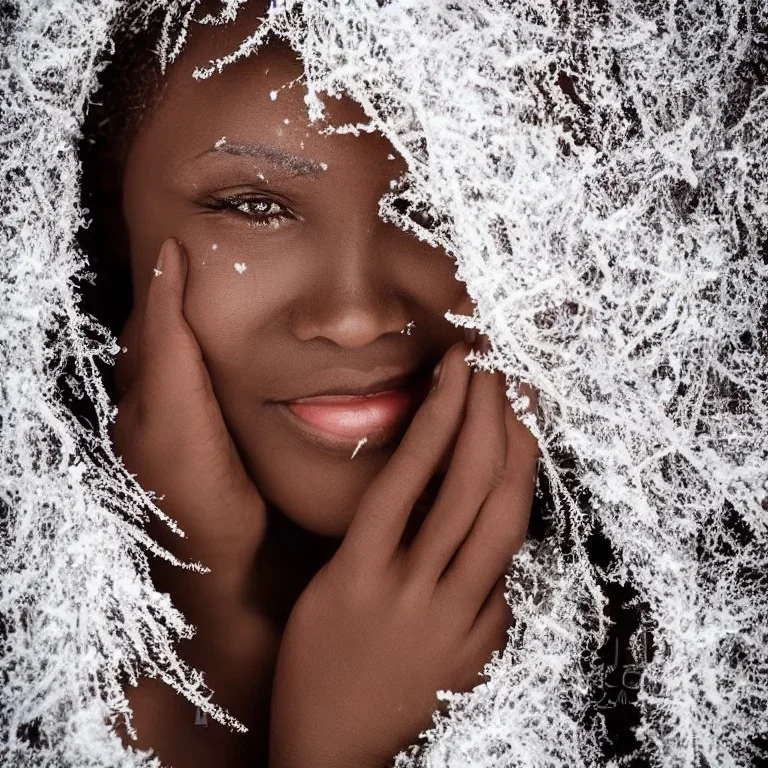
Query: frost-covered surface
{"points": [[614, 237]]}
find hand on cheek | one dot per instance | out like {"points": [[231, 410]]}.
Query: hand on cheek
{"points": [[171, 434], [383, 626]]}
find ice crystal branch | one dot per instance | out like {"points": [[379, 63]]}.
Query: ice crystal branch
{"points": [[597, 173]]}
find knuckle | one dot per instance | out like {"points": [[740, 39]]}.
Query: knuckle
{"points": [[372, 507], [415, 590], [347, 569], [495, 473], [355, 588]]}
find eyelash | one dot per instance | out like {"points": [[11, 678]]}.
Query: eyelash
{"points": [[262, 219], [274, 220]]}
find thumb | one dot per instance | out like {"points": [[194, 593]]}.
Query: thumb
{"points": [[176, 435]]}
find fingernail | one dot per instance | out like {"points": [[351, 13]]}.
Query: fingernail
{"points": [[158, 270], [184, 259], [438, 374], [170, 245]]}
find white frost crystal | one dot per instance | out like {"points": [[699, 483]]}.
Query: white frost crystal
{"points": [[360, 443], [597, 171]]}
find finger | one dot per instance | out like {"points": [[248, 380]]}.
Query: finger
{"points": [[173, 382], [374, 536], [170, 364], [501, 527], [476, 469], [178, 416], [490, 630], [126, 363]]}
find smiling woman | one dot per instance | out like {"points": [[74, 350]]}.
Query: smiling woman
{"points": [[289, 207], [327, 285], [295, 296]]}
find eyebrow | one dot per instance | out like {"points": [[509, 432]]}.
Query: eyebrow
{"points": [[299, 166]]}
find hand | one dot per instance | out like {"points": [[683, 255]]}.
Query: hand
{"points": [[171, 434], [170, 431], [382, 627]]}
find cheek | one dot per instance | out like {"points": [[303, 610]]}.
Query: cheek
{"points": [[236, 317], [236, 282], [228, 305], [230, 319]]}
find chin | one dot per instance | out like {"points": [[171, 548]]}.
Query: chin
{"points": [[322, 521], [319, 491]]}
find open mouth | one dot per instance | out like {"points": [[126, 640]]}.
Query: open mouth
{"points": [[342, 421]]}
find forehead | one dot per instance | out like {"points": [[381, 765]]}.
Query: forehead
{"points": [[259, 98]]}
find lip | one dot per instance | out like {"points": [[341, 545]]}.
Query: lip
{"points": [[340, 422], [359, 391]]}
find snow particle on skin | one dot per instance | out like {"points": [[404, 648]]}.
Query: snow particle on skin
{"points": [[390, 157], [359, 445], [240, 267], [157, 272], [286, 121], [221, 142], [324, 166], [123, 349], [215, 247], [273, 95]]}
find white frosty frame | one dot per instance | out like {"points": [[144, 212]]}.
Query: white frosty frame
{"points": [[634, 382]]}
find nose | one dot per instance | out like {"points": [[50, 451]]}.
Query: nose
{"points": [[353, 302]]}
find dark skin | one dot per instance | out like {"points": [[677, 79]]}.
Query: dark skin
{"points": [[307, 548]]}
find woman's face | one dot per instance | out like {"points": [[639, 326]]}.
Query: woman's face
{"points": [[302, 289]]}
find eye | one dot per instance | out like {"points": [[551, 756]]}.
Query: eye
{"points": [[262, 211]]}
